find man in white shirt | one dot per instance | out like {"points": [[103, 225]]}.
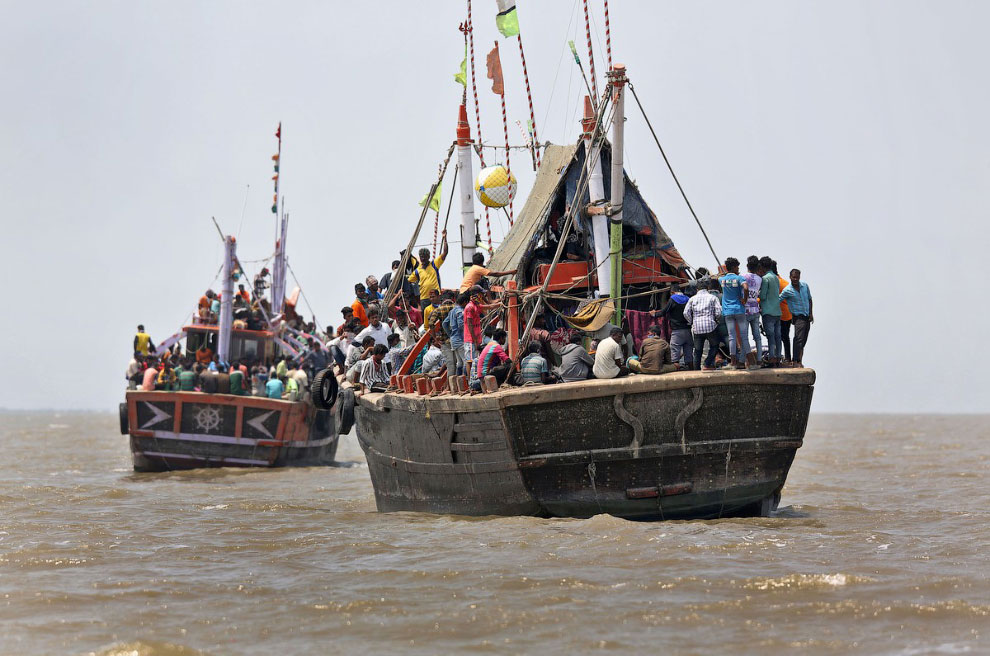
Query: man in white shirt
{"points": [[380, 331], [609, 356]]}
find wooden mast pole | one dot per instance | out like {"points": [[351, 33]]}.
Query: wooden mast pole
{"points": [[596, 194], [617, 78]]}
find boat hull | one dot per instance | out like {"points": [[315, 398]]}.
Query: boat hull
{"points": [[678, 446], [188, 430]]}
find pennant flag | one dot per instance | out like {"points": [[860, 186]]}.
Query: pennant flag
{"points": [[495, 71], [574, 52], [506, 20], [278, 132], [435, 201], [461, 75]]}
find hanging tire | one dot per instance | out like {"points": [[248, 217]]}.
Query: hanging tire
{"points": [[123, 419], [324, 389], [344, 411]]}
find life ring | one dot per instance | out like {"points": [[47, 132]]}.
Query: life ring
{"points": [[324, 389], [123, 419], [344, 411]]}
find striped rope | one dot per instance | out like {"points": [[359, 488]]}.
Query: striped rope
{"points": [[608, 38], [529, 97], [508, 167], [591, 53], [469, 32]]}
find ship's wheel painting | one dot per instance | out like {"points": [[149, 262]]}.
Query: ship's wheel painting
{"points": [[208, 418]]}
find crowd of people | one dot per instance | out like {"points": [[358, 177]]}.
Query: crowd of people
{"points": [[732, 320]]}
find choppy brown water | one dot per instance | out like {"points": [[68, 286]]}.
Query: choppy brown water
{"points": [[882, 546]]}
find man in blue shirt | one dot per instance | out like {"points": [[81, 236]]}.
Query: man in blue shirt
{"points": [[798, 297], [734, 293]]}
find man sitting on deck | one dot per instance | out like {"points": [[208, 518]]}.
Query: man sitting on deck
{"points": [[533, 369], [609, 357], [493, 361], [380, 331], [374, 375], [654, 355], [575, 362]]}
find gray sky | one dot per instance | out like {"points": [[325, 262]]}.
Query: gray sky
{"points": [[847, 138]]}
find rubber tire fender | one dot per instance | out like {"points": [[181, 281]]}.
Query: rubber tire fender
{"points": [[324, 389], [344, 411], [123, 419]]}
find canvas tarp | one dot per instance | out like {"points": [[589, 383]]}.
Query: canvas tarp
{"points": [[560, 173]]}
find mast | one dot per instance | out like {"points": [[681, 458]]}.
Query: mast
{"points": [[596, 194], [617, 78], [464, 147], [278, 268], [226, 299]]}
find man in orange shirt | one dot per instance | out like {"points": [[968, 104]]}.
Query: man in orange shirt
{"points": [[477, 271], [358, 305]]}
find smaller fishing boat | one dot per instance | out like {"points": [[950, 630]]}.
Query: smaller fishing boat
{"points": [[189, 429]]}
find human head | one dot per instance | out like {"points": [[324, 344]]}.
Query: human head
{"points": [[379, 353], [796, 277], [140, 327], [240, 287], [372, 283], [577, 338], [347, 311], [424, 256], [654, 331], [368, 341], [752, 263], [359, 290], [393, 339], [534, 347], [435, 297], [500, 336], [395, 264], [766, 264], [616, 334], [732, 265], [478, 258], [463, 299], [701, 272], [400, 318], [773, 266], [374, 316], [354, 326]]}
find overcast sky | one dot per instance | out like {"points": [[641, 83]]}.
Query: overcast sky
{"points": [[847, 138]]}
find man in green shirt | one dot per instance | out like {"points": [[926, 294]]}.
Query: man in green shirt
{"points": [[770, 308]]}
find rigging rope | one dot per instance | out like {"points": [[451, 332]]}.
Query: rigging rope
{"points": [[673, 175], [469, 33], [436, 219], [529, 97], [608, 38], [306, 300], [591, 53]]}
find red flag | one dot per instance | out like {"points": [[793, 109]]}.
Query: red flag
{"points": [[278, 132], [495, 71]]}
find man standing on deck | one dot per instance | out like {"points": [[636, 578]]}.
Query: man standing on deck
{"points": [[142, 341], [472, 331], [770, 308], [358, 307], [609, 356], [753, 283], [798, 297], [681, 342], [427, 274], [703, 312], [734, 292], [260, 284], [453, 326]]}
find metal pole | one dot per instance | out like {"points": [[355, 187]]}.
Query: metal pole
{"points": [[464, 146], [226, 299], [596, 193], [617, 78]]}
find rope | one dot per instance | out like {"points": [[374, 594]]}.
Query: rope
{"points": [[305, 300], [591, 53], [508, 167], [436, 219], [529, 97], [673, 175], [469, 33], [608, 38]]}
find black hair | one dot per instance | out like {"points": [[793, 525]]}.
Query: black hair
{"points": [[577, 338], [798, 271], [752, 262], [463, 298], [615, 330], [700, 271], [489, 331], [396, 263], [380, 349], [766, 263], [373, 310], [393, 339], [499, 335], [773, 267], [731, 263], [654, 330], [360, 287], [354, 326], [478, 259], [368, 340], [346, 309], [534, 347]]}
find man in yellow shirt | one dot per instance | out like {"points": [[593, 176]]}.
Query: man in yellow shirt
{"points": [[142, 341], [427, 273]]}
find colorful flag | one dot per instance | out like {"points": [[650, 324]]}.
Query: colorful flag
{"points": [[461, 76], [435, 201], [506, 20], [574, 52], [495, 71], [278, 132]]}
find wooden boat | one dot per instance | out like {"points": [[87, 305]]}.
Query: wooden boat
{"points": [[681, 445], [183, 430]]}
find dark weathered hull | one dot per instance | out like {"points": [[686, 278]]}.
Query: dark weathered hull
{"points": [[188, 430], [686, 445]]}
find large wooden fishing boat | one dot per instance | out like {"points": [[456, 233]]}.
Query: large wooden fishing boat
{"points": [[190, 429], [683, 445]]}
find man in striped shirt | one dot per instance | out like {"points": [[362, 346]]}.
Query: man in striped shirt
{"points": [[703, 312]]}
